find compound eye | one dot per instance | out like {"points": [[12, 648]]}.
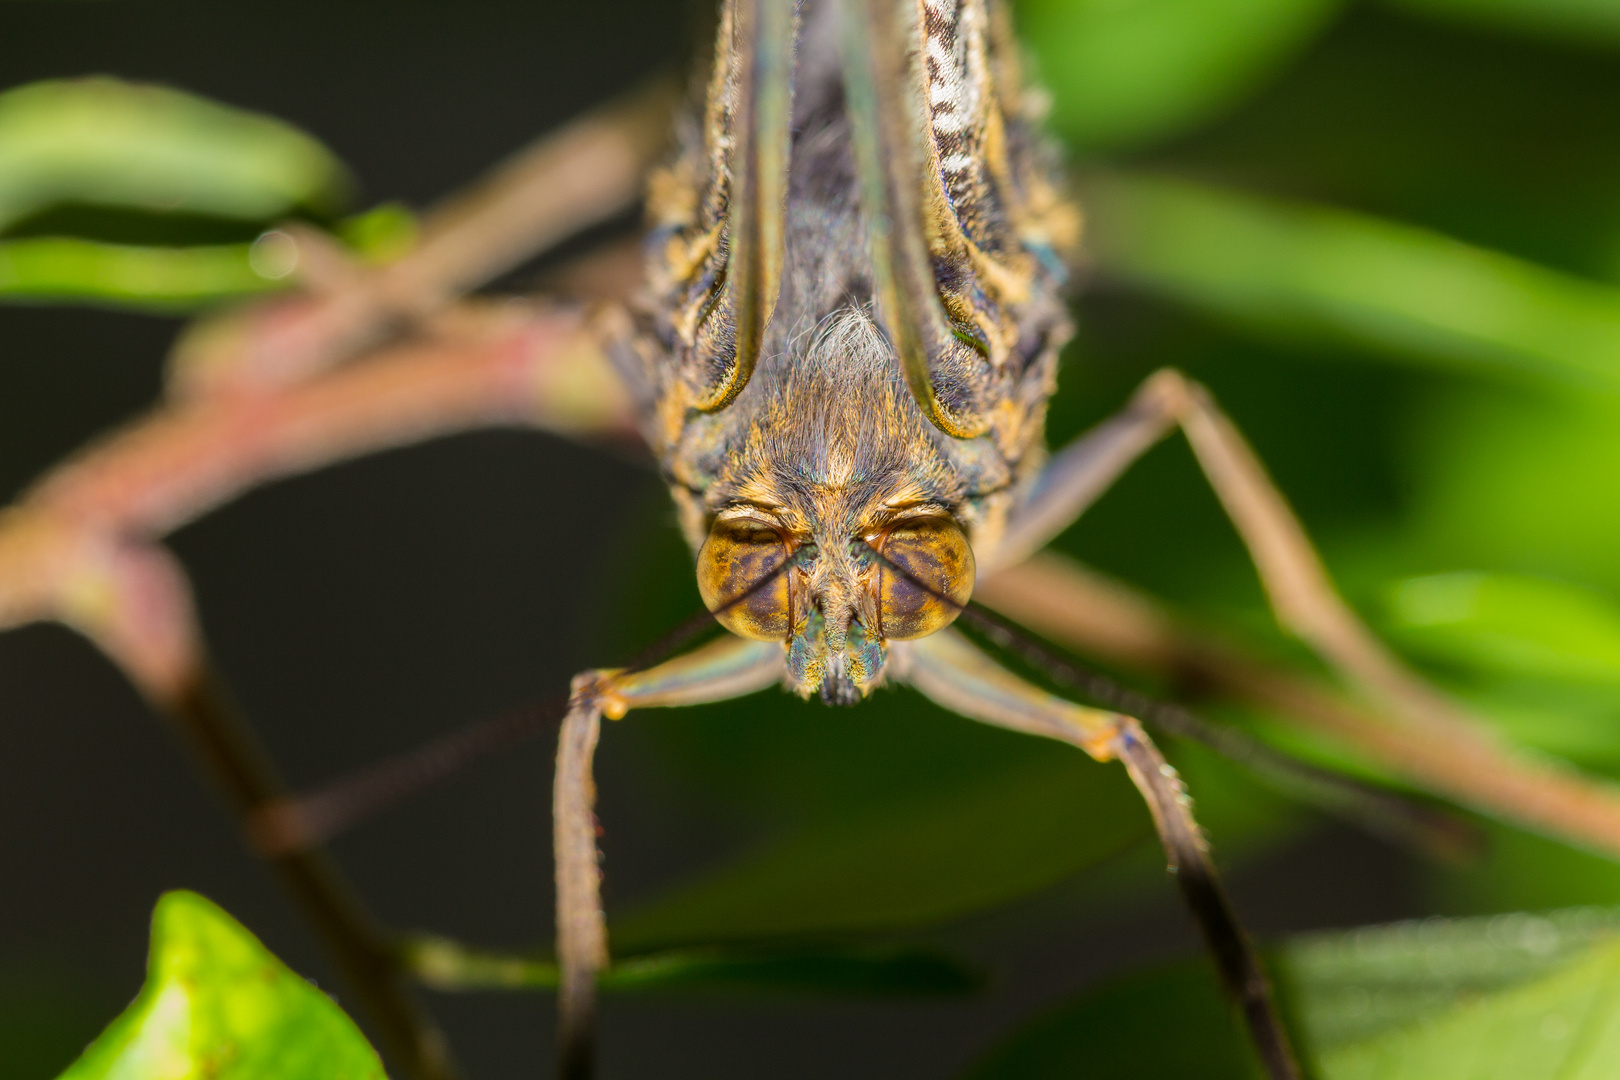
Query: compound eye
{"points": [[737, 557], [930, 580]]}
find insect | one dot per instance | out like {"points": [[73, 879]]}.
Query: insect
{"points": [[841, 360]]}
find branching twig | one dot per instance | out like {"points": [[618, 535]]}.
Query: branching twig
{"points": [[567, 181], [513, 364], [255, 398]]}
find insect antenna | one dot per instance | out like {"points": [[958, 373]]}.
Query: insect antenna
{"points": [[310, 818]]}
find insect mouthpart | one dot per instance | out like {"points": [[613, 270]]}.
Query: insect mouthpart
{"points": [[835, 606]]}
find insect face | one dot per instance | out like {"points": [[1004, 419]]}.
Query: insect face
{"points": [[835, 601]]}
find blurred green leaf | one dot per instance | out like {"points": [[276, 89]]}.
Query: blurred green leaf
{"points": [[65, 269], [104, 141], [217, 1004], [1506, 623], [1172, 1022], [1579, 20], [1515, 997], [816, 970], [1563, 1026], [1348, 988], [1388, 286], [383, 232], [1522, 482], [916, 863], [1122, 72], [1521, 871]]}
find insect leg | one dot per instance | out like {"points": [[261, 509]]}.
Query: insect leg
{"points": [[728, 668], [1422, 735], [948, 669], [1296, 583]]}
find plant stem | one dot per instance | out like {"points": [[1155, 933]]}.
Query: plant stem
{"points": [[203, 716]]}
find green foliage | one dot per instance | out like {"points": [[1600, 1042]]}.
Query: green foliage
{"points": [[99, 155], [948, 855], [1171, 1022], [813, 969], [150, 148], [1514, 998], [66, 268], [217, 1004], [1509, 996], [1390, 244], [1124, 72], [1512, 625], [1577, 20], [1420, 295]]}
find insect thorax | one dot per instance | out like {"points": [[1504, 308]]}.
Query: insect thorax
{"points": [[827, 430]]}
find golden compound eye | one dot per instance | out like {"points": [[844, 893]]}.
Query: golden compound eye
{"points": [[936, 582], [737, 556]]}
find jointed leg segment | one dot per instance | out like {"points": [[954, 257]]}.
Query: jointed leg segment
{"points": [[1421, 735], [1295, 581], [728, 668], [958, 676]]}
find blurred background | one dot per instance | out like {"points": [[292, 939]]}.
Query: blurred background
{"points": [[1387, 235]]}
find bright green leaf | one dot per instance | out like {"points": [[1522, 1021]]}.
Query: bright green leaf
{"points": [[1565, 1026], [217, 1004], [1522, 482], [1509, 623], [107, 142], [1393, 287], [64, 269], [1125, 71], [1349, 988]]}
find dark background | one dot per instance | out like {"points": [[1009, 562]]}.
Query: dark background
{"points": [[362, 609]]}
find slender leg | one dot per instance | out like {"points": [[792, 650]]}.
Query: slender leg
{"points": [[1296, 583], [728, 668], [955, 674], [1420, 735]]}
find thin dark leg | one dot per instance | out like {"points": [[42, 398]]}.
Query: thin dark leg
{"points": [[952, 672], [1188, 854]]}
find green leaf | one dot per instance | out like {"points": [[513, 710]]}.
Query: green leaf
{"points": [[831, 971], [107, 142], [1122, 72], [1577, 20], [1506, 997], [929, 860], [1353, 988], [1564, 1026], [1400, 289], [1167, 1023], [65, 269], [828, 970], [1511, 623], [217, 1004], [381, 233]]}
